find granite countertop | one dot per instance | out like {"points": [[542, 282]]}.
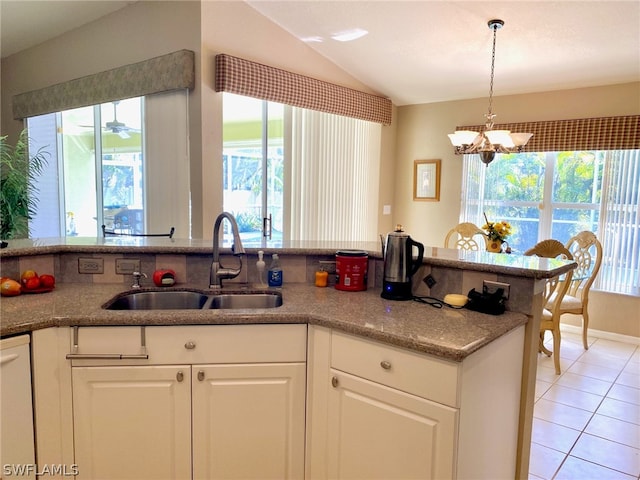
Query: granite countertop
{"points": [[448, 333]]}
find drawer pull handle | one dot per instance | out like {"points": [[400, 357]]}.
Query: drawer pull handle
{"points": [[386, 365], [180, 376], [74, 355], [190, 345], [201, 375], [106, 356], [334, 381]]}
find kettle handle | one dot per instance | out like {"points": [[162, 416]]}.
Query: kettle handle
{"points": [[415, 265]]}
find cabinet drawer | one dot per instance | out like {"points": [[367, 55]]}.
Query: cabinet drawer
{"points": [[195, 344], [427, 377]]}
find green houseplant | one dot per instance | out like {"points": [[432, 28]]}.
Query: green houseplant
{"points": [[18, 196]]}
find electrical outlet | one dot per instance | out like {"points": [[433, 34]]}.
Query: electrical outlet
{"points": [[126, 266], [492, 287], [328, 266], [90, 265], [429, 280]]}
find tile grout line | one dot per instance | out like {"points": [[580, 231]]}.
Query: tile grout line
{"points": [[582, 432]]}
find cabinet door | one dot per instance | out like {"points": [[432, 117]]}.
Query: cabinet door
{"points": [[132, 422], [377, 432], [248, 421]]}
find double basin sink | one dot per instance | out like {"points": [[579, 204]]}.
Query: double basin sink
{"points": [[192, 300]]}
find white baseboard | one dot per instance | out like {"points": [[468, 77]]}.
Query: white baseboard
{"points": [[617, 337]]}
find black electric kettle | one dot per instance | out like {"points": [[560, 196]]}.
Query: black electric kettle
{"points": [[399, 264]]}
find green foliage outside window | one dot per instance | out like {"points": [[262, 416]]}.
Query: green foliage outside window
{"points": [[514, 189], [18, 196]]}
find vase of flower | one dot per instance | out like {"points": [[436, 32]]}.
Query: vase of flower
{"points": [[494, 246], [497, 233]]}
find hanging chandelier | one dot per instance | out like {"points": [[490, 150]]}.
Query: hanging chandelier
{"points": [[489, 141]]}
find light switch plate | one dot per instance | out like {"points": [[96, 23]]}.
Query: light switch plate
{"points": [[328, 266], [126, 266]]}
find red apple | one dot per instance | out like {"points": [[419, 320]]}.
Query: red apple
{"points": [[47, 281], [32, 283]]}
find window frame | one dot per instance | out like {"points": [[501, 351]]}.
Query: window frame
{"points": [[471, 210]]}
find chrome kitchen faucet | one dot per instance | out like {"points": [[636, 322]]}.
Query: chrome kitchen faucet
{"points": [[218, 272]]}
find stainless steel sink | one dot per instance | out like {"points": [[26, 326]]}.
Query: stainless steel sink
{"points": [[192, 300], [246, 300], [166, 300]]}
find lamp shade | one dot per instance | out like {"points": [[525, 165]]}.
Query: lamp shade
{"points": [[521, 139], [499, 137], [462, 137]]}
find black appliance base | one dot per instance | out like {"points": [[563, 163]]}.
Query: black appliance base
{"points": [[396, 290]]}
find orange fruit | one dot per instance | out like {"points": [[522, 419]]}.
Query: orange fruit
{"points": [[10, 288], [26, 275], [47, 281]]}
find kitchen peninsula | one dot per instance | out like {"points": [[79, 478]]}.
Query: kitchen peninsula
{"points": [[455, 354]]}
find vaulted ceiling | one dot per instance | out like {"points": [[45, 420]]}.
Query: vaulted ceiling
{"points": [[419, 51]]}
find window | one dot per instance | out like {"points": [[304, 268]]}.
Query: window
{"points": [[314, 174], [558, 194], [99, 170], [253, 165]]}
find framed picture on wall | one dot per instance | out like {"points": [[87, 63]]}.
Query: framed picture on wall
{"points": [[426, 180]]}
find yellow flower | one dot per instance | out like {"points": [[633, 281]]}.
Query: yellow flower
{"points": [[497, 230]]}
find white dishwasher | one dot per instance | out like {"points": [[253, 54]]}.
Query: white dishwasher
{"points": [[16, 412]]}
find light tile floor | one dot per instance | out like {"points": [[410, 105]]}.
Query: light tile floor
{"points": [[586, 423]]}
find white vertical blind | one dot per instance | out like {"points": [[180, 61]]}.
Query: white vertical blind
{"points": [[620, 223], [334, 177], [472, 192], [48, 220], [167, 178]]}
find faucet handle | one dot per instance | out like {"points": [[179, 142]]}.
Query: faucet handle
{"points": [[136, 279], [237, 251]]}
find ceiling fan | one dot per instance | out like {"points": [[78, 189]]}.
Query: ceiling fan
{"points": [[118, 127]]}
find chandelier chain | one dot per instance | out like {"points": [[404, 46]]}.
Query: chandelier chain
{"points": [[493, 61]]}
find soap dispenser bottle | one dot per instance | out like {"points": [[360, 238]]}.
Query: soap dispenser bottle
{"points": [[260, 266], [275, 272]]}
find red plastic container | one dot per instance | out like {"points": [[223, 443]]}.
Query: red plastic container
{"points": [[351, 270]]}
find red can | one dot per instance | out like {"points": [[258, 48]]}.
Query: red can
{"points": [[351, 270]]}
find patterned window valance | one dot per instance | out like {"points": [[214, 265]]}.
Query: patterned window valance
{"points": [[243, 77], [604, 133], [168, 72]]}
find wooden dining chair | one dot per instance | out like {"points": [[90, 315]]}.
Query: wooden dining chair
{"points": [[587, 253], [464, 237], [106, 233], [555, 290]]}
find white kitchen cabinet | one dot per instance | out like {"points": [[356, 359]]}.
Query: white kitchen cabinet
{"points": [[16, 414], [377, 432], [132, 422], [379, 412], [248, 421], [209, 402]]}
